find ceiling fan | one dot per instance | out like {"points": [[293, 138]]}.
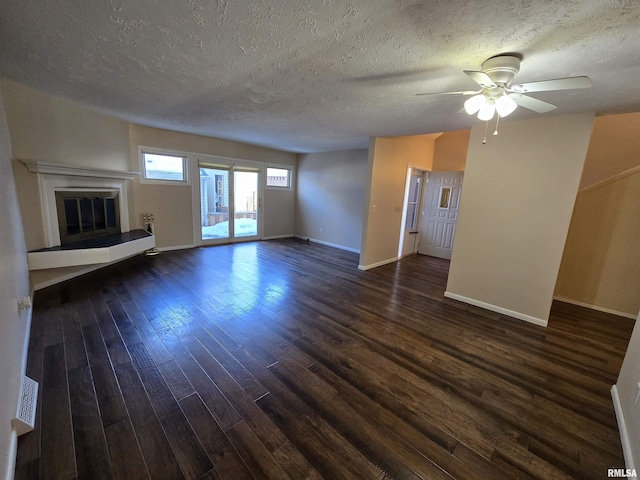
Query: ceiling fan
{"points": [[499, 95]]}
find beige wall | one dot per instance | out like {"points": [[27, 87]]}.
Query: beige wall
{"points": [[51, 129], [601, 260], [601, 257], [46, 128], [331, 195], [173, 213], [450, 154], [614, 148], [518, 195], [14, 285], [386, 177]]}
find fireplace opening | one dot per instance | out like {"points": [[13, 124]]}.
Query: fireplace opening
{"points": [[86, 215]]}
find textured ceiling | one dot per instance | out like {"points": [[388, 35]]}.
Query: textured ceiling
{"points": [[313, 75]]}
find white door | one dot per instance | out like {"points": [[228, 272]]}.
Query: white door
{"points": [[440, 214]]}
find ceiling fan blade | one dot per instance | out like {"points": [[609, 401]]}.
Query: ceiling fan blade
{"points": [[532, 103], [481, 78], [568, 83], [461, 92]]}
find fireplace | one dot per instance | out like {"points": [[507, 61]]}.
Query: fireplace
{"points": [[83, 215], [63, 186]]}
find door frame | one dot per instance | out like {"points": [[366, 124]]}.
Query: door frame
{"points": [[232, 164], [405, 202]]}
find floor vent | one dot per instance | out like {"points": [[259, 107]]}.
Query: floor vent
{"points": [[26, 412]]}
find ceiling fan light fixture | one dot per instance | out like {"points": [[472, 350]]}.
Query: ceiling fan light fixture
{"points": [[474, 104], [505, 105], [487, 111]]}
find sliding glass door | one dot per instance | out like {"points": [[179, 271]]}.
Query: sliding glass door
{"points": [[229, 201], [245, 204], [214, 203]]}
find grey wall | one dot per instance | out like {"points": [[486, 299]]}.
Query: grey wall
{"points": [[331, 197], [14, 284]]}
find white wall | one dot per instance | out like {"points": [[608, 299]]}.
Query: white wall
{"points": [[626, 387], [14, 284], [331, 196], [517, 200]]}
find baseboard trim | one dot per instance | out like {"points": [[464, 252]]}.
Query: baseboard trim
{"points": [[595, 307], [494, 308], [12, 455], [175, 247], [277, 237], [328, 244], [622, 428], [378, 264]]}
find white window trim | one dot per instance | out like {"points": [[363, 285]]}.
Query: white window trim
{"points": [[161, 151], [283, 167]]}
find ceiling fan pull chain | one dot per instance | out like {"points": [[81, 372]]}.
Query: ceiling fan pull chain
{"points": [[497, 121], [486, 127]]}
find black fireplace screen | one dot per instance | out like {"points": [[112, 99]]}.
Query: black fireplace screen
{"points": [[84, 215]]}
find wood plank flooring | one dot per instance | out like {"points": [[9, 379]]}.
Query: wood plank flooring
{"points": [[282, 360]]}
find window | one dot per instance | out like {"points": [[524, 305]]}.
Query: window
{"points": [[163, 167], [279, 177], [445, 196], [413, 202]]}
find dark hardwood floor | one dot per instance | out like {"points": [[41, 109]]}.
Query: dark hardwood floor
{"points": [[282, 360]]}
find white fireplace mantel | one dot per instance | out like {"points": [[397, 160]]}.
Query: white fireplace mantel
{"points": [[51, 168], [57, 177]]}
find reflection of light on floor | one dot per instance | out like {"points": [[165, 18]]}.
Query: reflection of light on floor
{"points": [[245, 278], [251, 288], [275, 293]]}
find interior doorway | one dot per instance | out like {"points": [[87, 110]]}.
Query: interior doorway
{"points": [[413, 199]]}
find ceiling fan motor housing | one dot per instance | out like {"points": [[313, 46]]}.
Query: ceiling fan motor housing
{"points": [[502, 69]]}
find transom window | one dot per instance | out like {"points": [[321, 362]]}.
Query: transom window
{"points": [[279, 177], [163, 167]]}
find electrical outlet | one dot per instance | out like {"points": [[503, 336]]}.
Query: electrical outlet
{"points": [[24, 304], [637, 395]]}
